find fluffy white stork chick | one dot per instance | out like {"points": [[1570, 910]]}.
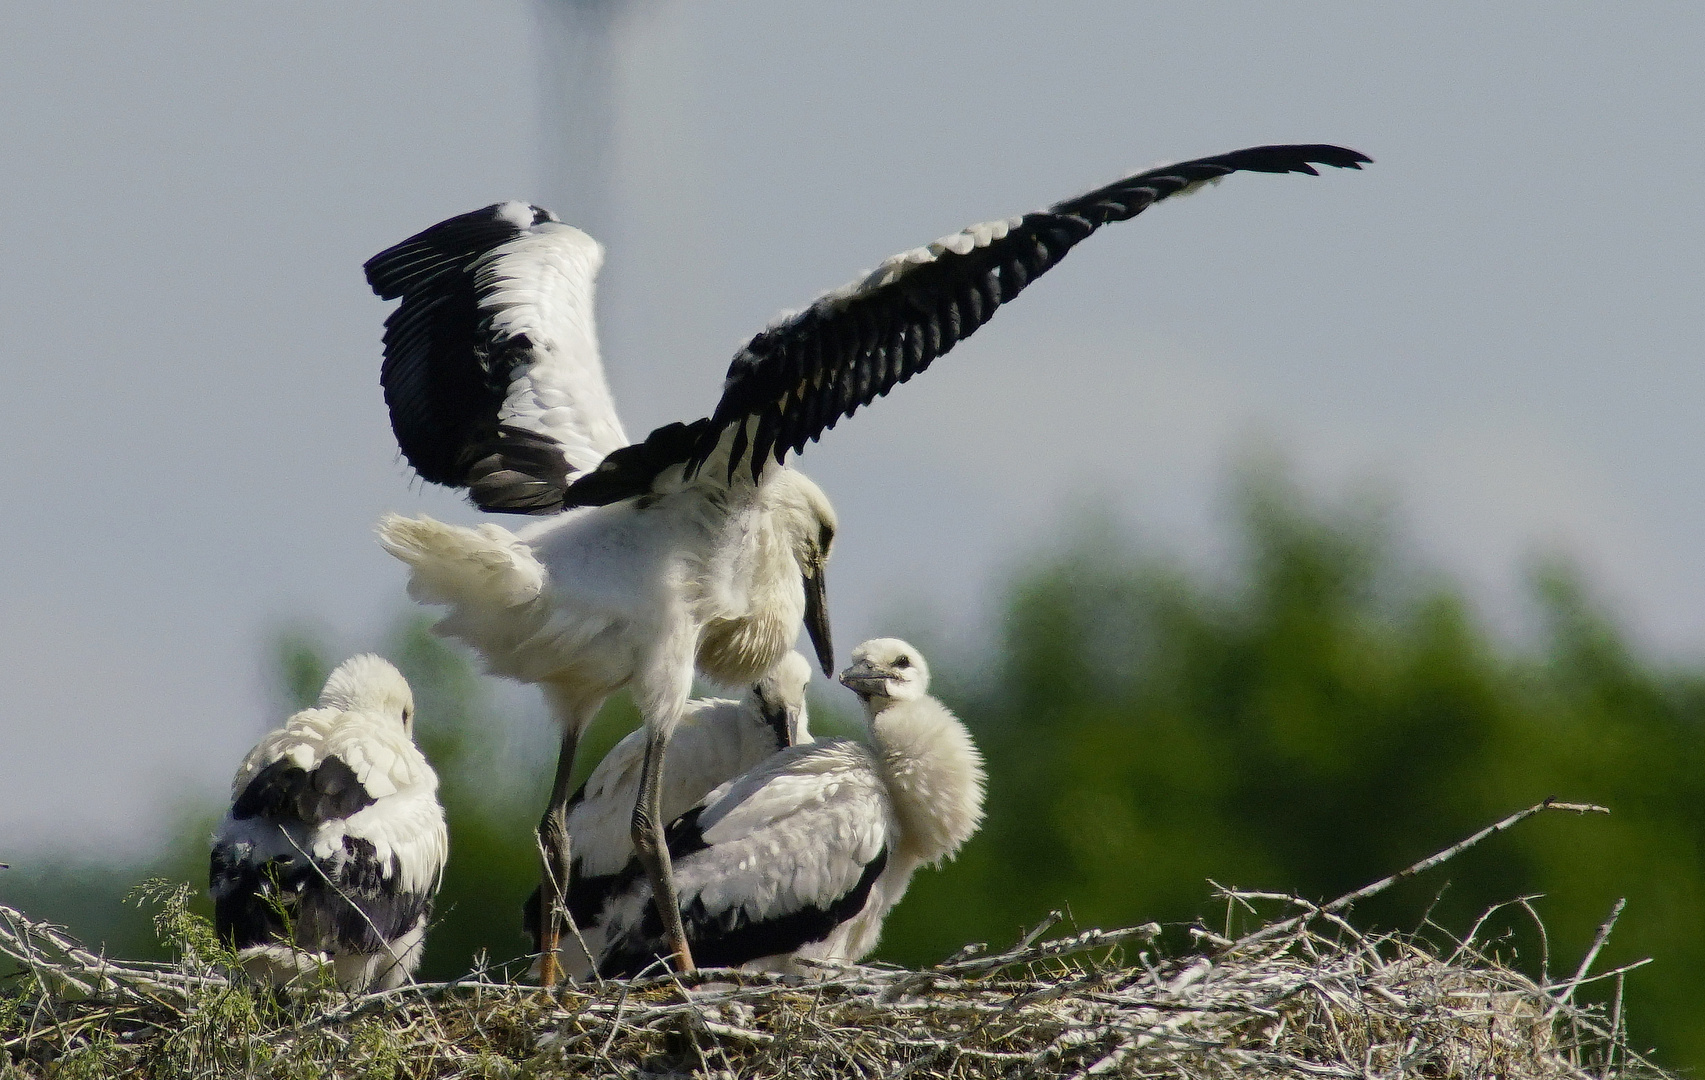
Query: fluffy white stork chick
{"points": [[805, 855], [718, 739], [335, 843], [698, 545]]}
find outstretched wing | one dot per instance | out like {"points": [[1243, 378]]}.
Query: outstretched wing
{"points": [[804, 373], [491, 370]]}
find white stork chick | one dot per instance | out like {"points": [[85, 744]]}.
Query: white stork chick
{"points": [[335, 843], [697, 546], [805, 855], [718, 740]]}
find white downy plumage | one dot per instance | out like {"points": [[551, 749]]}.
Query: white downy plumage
{"points": [[805, 855], [698, 546], [335, 843]]}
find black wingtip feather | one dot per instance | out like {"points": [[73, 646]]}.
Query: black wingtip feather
{"points": [[450, 246], [1283, 158]]}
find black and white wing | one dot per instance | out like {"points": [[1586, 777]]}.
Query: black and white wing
{"points": [[718, 740], [804, 373], [312, 855], [771, 862], [491, 372]]}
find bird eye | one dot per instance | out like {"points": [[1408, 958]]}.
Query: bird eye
{"points": [[903, 662]]}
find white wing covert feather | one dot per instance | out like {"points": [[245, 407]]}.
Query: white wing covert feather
{"points": [[540, 286]]}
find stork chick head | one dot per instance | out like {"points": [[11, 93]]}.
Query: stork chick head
{"points": [[886, 670], [369, 683], [806, 519], [780, 696]]}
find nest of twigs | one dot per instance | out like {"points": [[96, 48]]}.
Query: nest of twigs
{"points": [[1305, 996]]}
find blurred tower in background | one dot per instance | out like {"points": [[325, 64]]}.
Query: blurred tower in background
{"points": [[578, 57], [585, 47]]}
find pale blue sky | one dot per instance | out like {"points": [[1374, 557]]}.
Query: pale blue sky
{"points": [[1500, 321]]}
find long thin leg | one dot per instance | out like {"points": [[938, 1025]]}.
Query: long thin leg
{"points": [[554, 859], [653, 851]]}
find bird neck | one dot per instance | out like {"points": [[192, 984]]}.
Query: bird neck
{"points": [[737, 646], [933, 771]]}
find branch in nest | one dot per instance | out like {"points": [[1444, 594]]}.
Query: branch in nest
{"points": [[1278, 929]]}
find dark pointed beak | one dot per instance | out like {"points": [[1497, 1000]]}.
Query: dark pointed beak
{"points": [[817, 621], [865, 678], [785, 721]]}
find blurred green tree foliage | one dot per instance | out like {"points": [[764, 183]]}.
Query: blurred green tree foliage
{"points": [[1326, 714], [1322, 714]]}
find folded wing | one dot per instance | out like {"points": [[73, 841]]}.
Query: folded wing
{"points": [[314, 857], [769, 863]]}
